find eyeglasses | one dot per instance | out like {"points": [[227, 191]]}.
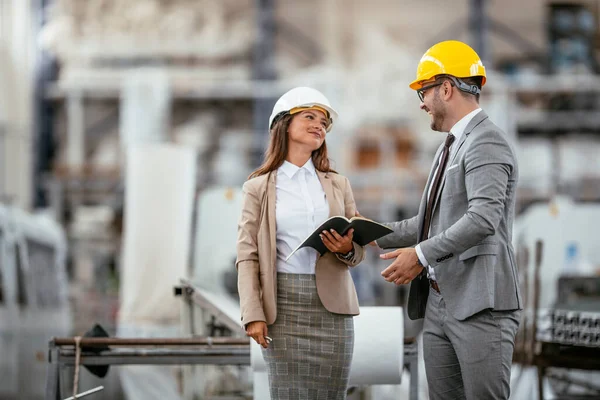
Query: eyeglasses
{"points": [[421, 92]]}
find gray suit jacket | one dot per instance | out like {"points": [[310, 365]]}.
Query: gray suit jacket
{"points": [[470, 242]]}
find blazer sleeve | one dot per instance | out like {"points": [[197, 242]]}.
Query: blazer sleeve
{"points": [[350, 211], [246, 263], [404, 235]]}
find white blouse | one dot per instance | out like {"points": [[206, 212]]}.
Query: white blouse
{"points": [[300, 208]]}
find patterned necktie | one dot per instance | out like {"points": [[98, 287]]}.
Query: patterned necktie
{"points": [[435, 186]]}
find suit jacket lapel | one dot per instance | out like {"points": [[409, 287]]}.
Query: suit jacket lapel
{"points": [[271, 199], [328, 189], [476, 120]]}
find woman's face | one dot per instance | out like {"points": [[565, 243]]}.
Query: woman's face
{"points": [[308, 129]]}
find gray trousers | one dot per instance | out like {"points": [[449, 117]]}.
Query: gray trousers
{"points": [[468, 359]]}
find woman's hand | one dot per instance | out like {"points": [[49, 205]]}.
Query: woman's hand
{"points": [[336, 243], [257, 330]]}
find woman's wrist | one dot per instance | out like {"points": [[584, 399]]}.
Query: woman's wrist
{"points": [[347, 255]]}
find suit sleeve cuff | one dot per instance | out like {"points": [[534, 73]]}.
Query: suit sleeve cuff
{"points": [[421, 256]]}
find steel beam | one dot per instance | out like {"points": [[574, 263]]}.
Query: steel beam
{"points": [[221, 356], [128, 342]]}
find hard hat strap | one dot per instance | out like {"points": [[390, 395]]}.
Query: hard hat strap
{"points": [[463, 86]]}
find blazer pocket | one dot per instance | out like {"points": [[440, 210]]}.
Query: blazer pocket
{"points": [[450, 168], [479, 250]]}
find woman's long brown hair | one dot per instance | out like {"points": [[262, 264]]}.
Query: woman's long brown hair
{"points": [[278, 149]]}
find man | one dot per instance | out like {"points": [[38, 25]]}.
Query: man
{"points": [[462, 271]]}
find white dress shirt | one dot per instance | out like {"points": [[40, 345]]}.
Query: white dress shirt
{"points": [[457, 130], [300, 208]]}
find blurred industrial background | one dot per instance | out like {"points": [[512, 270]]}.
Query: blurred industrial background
{"points": [[127, 128]]}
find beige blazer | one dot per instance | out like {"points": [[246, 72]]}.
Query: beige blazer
{"points": [[256, 251]]}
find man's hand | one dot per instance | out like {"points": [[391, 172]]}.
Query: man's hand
{"points": [[257, 330], [336, 243], [405, 267], [357, 214]]}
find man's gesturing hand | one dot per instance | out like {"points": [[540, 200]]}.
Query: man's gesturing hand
{"points": [[405, 267]]}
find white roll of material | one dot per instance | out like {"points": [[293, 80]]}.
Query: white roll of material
{"points": [[378, 346], [378, 351], [160, 185]]}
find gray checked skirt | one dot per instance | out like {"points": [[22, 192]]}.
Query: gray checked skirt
{"points": [[311, 352]]}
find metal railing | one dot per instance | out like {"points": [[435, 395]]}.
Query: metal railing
{"points": [[128, 351], [170, 351]]}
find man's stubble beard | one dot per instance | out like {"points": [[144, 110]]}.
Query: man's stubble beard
{"points": [[438, 113]]}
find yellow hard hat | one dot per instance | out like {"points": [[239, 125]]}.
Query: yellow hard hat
{"points": [[449, 58]]}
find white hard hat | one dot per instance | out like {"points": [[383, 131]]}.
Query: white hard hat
{"points": [[302, 97]]}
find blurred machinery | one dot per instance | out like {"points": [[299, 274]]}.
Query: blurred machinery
{"points": [[575, 319], [33, 299], [559, 263], [96, 353]]}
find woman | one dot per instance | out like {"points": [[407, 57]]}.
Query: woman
{"points": [[305, 304]]}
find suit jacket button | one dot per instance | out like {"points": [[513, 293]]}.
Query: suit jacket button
{"points": [[451, 255], [439, 260]]}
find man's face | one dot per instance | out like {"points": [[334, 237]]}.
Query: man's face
{"points": [[431, 102]]}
